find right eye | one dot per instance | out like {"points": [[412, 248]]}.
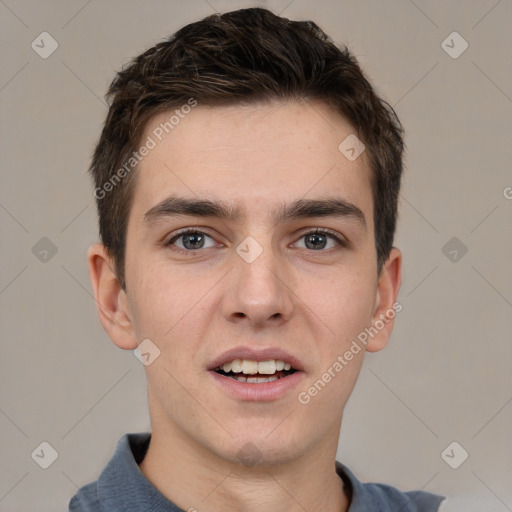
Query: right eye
{"points": [[191, 240]]}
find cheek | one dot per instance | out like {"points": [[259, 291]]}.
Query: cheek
{"points": [[167, 306], [344, 305], [356, 309], [345, 308], [151, 299]]}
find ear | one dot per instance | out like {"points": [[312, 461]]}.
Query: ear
{"points": [[386, 305], [113, 307]]}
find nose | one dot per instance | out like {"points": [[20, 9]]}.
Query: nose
{"points": [[259, 293]]}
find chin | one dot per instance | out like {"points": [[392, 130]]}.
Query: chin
{"points": [[259, 449]]}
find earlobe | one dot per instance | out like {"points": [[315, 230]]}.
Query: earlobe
{"points": [[113, 308], [386, 306]]}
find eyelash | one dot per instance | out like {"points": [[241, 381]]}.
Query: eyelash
{"points": [[317, 231]]}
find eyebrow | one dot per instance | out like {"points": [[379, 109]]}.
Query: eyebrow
{"points": [[301, 208]]}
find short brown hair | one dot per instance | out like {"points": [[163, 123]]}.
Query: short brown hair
{"points": [[242, 57]]}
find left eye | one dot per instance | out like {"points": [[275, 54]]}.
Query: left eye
{"points": [[318, 239]]}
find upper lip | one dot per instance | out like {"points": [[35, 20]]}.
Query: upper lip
{"points": [[256, 354]]}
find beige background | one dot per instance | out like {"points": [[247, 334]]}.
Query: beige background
{"points": [[445, 375]]}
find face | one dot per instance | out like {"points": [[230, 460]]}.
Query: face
{"points": [[256, 283]]}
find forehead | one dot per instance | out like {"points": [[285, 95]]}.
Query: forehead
{"points": [[263, 154]]}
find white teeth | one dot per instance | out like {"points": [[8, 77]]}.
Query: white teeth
{"points": [[257, 380], [240, 378], [249, 367], [267, 367], [236, 366]]}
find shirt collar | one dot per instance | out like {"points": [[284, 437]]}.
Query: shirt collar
{"points": [[122, 486]]}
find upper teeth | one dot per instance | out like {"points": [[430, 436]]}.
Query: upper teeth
{"points": [[251, 367]]}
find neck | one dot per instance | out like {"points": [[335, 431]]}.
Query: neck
{"points": [[195, 479]]}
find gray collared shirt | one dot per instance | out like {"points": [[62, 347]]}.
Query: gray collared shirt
{"points": [[122, 487]]}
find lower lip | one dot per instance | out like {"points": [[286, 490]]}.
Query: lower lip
{"points": [[262, 391]]}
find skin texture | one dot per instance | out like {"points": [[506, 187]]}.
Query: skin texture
{"points": [[312, 302]]}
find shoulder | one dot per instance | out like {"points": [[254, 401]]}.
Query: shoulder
{"points": [[86, 500], [375, 497], [390, 498], [114, 488]]}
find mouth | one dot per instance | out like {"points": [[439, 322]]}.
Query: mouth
{"points": [[256, 372], [250, 373]]}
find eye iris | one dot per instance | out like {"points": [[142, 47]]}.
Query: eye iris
{"points": [[196, 239], [315, 236]]}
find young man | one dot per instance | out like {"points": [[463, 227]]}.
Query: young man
{"points": [[246, 180]]}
